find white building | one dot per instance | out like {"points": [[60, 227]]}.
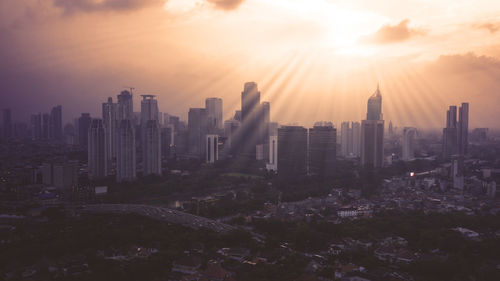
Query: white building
{"points": [[273, 154]]}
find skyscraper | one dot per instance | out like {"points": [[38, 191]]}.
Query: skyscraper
{"points": [[83, 128], [455, 134], [109, 118], [345, 139], [151, 148], [409, 135], [372, 133], [273, 154], [212, 149], [356, 139], [125, 109], [7, 123], [292, 151], [197, 130], [214, 112], [55, 123], [97, 150], [125, 152], [374, 106], [149, 109], [46, 126], [322, 149], [36, 126]]}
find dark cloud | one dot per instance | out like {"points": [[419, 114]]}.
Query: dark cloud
{"points": [[490, 26], [226, 4], [388, 34], [72, 6]]}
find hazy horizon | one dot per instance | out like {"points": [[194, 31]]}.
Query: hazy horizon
{"points": [[313, 60]]}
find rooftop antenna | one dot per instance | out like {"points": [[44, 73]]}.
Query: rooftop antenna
{"points": [[130, 88]]}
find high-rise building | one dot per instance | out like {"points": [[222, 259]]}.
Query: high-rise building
{"points": [[167, 141], [455, 134], [97, 150], [197, 130], [46, 126], [345, 139], [457, 170], [322, 149], [149, 109], [409, 135], [463, 129], [83, 129], [230, 128], [36, 126], [374, 106], [7, 123], [151, 148], [214, 112], [212, 149], [109, 118], [273, 154], [292, 151], [125, 152], [356, 139], [55, 123], [372, 133], [125, 108]]}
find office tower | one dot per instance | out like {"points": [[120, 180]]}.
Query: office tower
{"points": [[409, 135], [214, 112], [230, 128], [167, 141], [55, 123], [149, 109], [151, 148], [109, 119], [45, 126], [36, 126], [7, 123], [197, 130], [374, 106], [455, 134], [97, 150], [212, 148], [391, 131], [125, 152], [372, 133], [292, 151], [252, 132], [273, 154], [463, 129], [125, 108], [345, 139], [322, 149], [356, 139], [83, 129], [250, 101]]}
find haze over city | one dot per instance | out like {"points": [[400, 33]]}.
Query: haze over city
{"points": [[313, 60]]}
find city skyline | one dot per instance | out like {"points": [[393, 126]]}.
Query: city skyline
{"points": [[317, 72]]}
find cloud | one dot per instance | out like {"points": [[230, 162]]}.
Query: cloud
{"points": [[490, 26], [72, 6], [226, 4], [389, 34]]}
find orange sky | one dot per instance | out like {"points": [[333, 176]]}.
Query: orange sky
{"points": [[313, 59]]}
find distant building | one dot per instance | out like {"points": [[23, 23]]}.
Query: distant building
{"points": [[322, 149], [7, 123], [125, 107], [97, 150], [197, 130], [214, 113], [151, 148], [457, 170], [212, 148], [409, 135], [83, 129], [350, 139], [36, 126], [372, 133], [62, 175], [109, 118], [149, 109], [55, 123], [292, 152], [273, 154], [455, 134], [125, 152]]}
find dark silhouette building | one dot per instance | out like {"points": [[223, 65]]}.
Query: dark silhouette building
{"points": [[322, 149], [372, 133], [292, 151], [83, 128]]}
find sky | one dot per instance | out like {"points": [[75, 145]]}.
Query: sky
{"points": [[314, 60]]}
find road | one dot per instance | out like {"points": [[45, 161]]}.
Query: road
{"points": [[160, 213]]}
